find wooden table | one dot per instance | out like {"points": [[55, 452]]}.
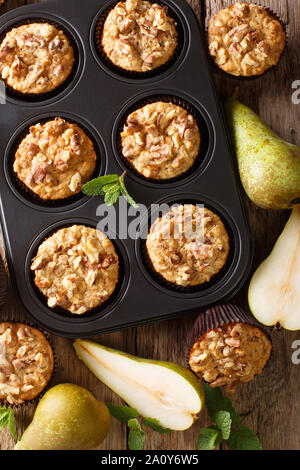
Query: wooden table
{"points": [[270, 404]]}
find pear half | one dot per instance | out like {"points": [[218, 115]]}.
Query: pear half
{"points": [[274, 293], [160, 390]]}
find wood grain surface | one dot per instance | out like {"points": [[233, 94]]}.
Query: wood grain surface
{"points": [[270, 404]]}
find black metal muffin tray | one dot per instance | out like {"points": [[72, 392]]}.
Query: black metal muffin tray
{"points": [[98, 96]]}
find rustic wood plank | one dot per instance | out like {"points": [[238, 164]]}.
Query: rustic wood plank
{"points": [[266, 402]]}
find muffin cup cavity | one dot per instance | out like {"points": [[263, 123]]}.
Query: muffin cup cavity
{"points": [[69, 83], [104, 61], [22, 191], [51, 382], [206, 135], [191, 291], [95, 313]]}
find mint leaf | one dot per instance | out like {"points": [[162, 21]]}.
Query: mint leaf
{"points": [[4, 413], [244, 439], [7, 418], [209, 438], [112, 197], [125, 193], [95, 186], [156, 426], [110, 188], [215, 401], [223, 421], [122, 413], [136, 436], [11, 424]]}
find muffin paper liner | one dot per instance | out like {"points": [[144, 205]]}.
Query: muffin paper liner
{"points": [[242, 78], [37, 97], [201, 287], [60, 310], [204, 135], [25, 191], [50, 384], [132, 74], [217, 316]]}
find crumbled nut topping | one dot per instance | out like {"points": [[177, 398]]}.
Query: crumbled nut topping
{"points": [[245, 39], [77, 269], [26, 362], [161, 140], [230, 355], [55, 159], [188, 245], [35, 58], [139, 36]]}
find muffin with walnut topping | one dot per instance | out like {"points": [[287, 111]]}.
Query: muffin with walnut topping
{"points": [[55, 159], [188, 245], [26, 363], [139, 36], [77, 269], [161, 140], [35, 58], [245, 39], [227, 348]]}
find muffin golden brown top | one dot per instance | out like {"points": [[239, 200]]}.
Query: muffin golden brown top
{"points": [[245, 39], [230, 355], [139, 35], [26, 363], [35, 58], [55, 159], [161, 140], [77, 269], [188, 245]]}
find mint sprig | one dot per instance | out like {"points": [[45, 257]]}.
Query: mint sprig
{"points": [[137, 435], [109, 186], [7, 419], [227, 425], [209, 438]]}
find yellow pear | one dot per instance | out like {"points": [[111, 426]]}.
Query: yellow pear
{"points": [[68, 417]]}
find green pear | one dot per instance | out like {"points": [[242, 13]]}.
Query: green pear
{"points": [[274, 294], [68, 417], [164, 391], [269, 167]]}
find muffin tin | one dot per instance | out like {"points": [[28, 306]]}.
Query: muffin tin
{"points": [[99, 97]]}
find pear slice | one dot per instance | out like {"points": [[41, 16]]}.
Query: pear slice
{"points": [[274, 292], [160, 390]]}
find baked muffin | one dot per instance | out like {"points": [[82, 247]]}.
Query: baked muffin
{"points": [[245, 39], [55, 159], [161, 140], [139, 36], [188, 245], [35, 58], [77, 269], [230, 353], [26, 363]]}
